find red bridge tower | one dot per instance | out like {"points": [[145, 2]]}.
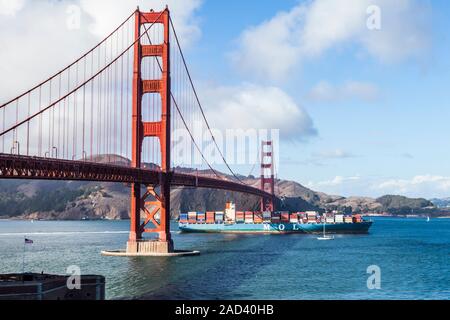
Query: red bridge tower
{"points": [[151, 202], [267, 175]]}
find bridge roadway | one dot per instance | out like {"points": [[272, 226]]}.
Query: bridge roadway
{"points": [[37, 168]]}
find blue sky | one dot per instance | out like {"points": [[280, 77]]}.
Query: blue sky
{"points": [[377, 100], [391, 143]]}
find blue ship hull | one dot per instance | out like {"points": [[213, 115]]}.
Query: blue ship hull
{"points": [[352, 228]]}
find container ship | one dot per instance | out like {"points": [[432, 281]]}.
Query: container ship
{"points": [[232, 221]]}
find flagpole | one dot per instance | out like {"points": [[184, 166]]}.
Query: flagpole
{"points": [[23, 257]]}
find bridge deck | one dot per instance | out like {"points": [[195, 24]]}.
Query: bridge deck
{"points": [[24, 167]]}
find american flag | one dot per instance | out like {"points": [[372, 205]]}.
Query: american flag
{"points": [[28, 241]]}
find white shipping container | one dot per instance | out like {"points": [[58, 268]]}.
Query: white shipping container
{"points": [[339, 218], [330, 220]]}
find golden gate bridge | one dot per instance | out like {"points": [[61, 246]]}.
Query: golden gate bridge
{"points": [[122, 99]]}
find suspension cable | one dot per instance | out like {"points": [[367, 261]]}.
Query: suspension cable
{"points": [[200, 105], [201, 109], [81, 85], [182, 118], [70, 65]]}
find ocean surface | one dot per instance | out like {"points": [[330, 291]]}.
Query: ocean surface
{"points": [[413, 257]]}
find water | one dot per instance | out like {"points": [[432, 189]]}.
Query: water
{"points": [[414, 257]]}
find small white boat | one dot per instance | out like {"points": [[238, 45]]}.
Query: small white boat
{"points": [[428, 219], [325, 237]]}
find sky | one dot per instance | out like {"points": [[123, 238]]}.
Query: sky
{"points": [[358, 88]]}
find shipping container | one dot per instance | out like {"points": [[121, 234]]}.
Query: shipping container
{"points": [[258, 217], [201, 217], [248, 217], [339, 218], [276, 214], [284, 216], [312, 216], [293, 218], [240, 216], [348, 219], [183, 218], [192, 217], [330, 219], [248, 214], [276, 217], [210, 217], [302, 217], [357, 218], [267, 214], [219, 216]]}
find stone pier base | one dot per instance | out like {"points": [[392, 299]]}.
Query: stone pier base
{"points": [[149, 248]]}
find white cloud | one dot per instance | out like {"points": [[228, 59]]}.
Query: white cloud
{"points": [[270, 49], [107, 14], [430, 185], [336, 181], [334, 154], [324, 91], [420, 186], [274, 47], [11, 7], [37, 42], [257, 107]]}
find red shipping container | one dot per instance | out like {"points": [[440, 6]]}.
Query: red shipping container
{"points": [[209, 217]]}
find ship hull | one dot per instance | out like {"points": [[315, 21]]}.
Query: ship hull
{"points": [[278, 228]]}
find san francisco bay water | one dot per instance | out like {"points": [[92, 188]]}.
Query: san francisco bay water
{"points": [[413, 255]]}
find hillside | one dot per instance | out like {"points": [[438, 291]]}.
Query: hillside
{"points": [[441, 203], [77, 200]]}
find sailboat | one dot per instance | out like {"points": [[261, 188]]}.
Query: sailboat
{"points": [[324, 236], [428, 218]]}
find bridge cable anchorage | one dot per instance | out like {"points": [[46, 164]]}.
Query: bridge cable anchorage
{"points": [[182, 117], [70, 65], [42, 110], [200, 105]]}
